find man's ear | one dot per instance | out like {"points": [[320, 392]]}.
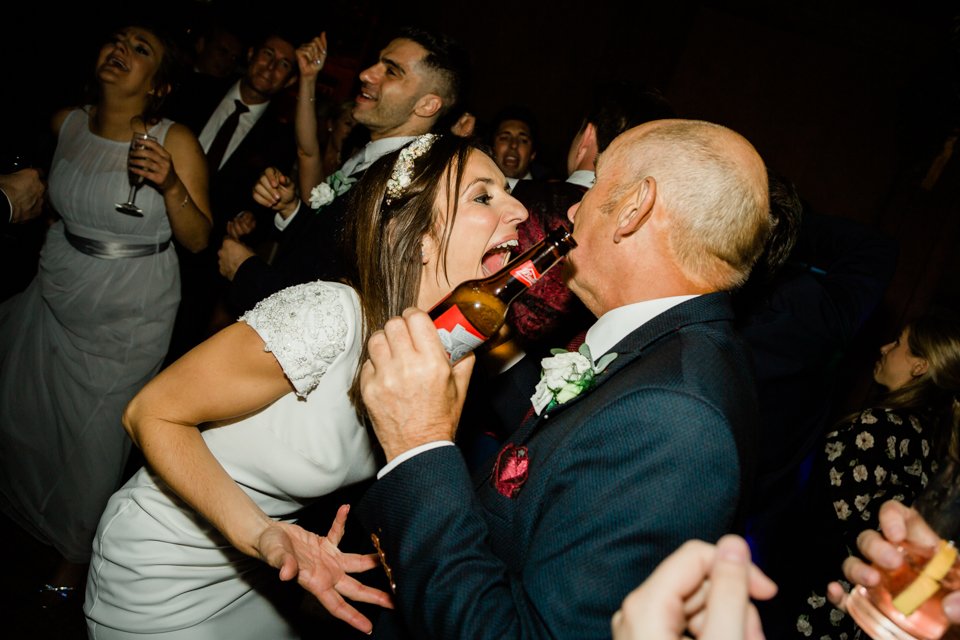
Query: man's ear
{"points": [[588, 141], [428, 105], [635, 208]]}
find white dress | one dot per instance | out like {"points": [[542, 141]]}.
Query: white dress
{"points": [[81, 341], [158, 567]]}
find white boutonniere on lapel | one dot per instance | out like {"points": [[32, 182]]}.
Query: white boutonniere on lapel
{"points": [[325, 192], [566, 375]]}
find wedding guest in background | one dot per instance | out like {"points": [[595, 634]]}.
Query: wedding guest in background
{"points": [[320, 139], [513, 140], [94, 325], [418, 77], [21, 228], [814, 287], [282, 388], [891, 450], [662, 439], [548, 315], [218, 49], [242, 130]]}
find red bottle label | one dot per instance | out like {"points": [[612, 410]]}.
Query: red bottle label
{"points": [[458, 336], [526, 273]]}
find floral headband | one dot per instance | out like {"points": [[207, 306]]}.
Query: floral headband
{"points": [[403, 168]]}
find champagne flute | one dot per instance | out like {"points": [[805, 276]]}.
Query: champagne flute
{"points": [[129, 207], [906, 603]]}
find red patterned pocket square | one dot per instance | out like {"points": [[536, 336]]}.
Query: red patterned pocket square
{"points": [[510, 470]]}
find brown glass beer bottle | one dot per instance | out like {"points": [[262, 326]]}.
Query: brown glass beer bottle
{"points": [[476, 309]]}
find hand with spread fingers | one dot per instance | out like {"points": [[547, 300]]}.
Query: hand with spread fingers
{"points": [[322, 569], [700, 589]]}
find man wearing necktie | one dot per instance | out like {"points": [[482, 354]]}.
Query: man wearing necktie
{"points": [[242, 131]]}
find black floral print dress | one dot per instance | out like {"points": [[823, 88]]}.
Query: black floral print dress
{"points": [[882, 454]]}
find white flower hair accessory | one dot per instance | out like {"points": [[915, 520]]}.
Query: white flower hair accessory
{"points": [[403, 168], [324, 193], [566, 375]]}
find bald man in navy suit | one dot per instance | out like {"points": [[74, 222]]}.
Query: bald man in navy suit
{"points": [[591, 493]]}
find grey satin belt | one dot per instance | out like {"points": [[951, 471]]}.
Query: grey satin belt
{"points": [[113, 250]]}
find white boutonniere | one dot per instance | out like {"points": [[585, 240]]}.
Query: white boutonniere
{"points": [[566, 375], [335, 185]]}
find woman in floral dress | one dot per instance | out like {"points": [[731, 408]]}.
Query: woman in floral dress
{"points": [[889, 451]]}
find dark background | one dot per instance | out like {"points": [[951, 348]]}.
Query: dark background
{"points": [[857, 103]]}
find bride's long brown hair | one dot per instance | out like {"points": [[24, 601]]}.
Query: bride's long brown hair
{"points": [[385, 239]]}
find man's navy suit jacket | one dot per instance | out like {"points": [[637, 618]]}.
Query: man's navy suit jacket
{"points": [[658, 452]]}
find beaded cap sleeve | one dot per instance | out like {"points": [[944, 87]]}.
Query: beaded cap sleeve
{"points": [[305, 327]]}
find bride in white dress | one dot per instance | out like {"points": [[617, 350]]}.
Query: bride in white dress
{"points": [[265, 416]]}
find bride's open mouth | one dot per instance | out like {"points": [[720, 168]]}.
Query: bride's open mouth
{"points": [[497, 257]]}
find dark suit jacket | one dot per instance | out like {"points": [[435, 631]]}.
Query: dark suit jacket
{"points": [[798, 328], [656, 453], [270, 142], [310, 248]]}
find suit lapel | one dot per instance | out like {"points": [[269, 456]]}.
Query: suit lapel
{"points": [[705, 308]]}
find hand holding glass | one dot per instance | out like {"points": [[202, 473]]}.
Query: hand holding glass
{"points": [[129, 207], [906, 605]]}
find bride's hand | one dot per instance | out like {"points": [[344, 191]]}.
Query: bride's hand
{"points": [[321, 568]]}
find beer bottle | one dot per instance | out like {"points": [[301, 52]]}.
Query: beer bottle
{"points": [[476, 309]]}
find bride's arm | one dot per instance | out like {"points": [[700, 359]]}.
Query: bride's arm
{"points": [[228, 376]]}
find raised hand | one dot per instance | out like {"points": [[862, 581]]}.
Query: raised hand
{"points": [[321, 568], [312, 55]]}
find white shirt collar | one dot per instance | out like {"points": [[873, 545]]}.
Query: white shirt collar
{"points": [[371, 152], [222, 112], [583, 178], [616, 324], [513, 181]]}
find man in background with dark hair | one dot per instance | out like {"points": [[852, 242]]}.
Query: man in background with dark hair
{"points": [[513, 141], [243, 131], [418, 78]]}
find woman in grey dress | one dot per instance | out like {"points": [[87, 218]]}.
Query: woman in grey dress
{"points": [[94, 325]]}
